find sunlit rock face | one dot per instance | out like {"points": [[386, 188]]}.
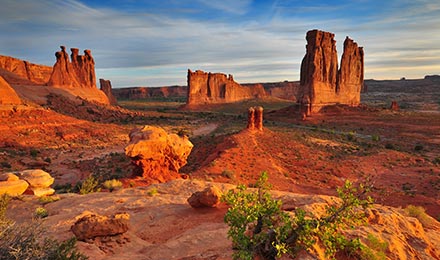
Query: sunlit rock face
{"points": [[8, 96], [76, 76], [214, 88], [106, 87], [322, 84], [158, 156], [30, 72]]}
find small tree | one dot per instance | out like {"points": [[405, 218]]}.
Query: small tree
{"points": [[259, 227]]}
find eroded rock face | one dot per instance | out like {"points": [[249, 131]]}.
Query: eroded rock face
{"points": [[8, 96], [157, 154], [106, 87], [90, 225], [38, 74], [322, 83], [214, 88], [209, 197]]}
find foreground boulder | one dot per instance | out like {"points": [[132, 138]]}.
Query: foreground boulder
{"points": [[90, 225], [158, 156], [12, 185], [39, 181], [209, 197]]}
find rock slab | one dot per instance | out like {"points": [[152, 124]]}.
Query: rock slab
{"points": [[90, 225]]}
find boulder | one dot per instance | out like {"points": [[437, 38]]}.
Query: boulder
{"points": [[8, 96], [214, 88], [158, 156], [90, 225], [209, 197], [39, 181], [10, 184], [106, 87], [321, 83]]}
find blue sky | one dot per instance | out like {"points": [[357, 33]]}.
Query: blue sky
{"points": [[154, 42]]}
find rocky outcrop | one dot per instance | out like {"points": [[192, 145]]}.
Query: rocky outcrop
{"points": [[90, 225], [35, 73], [214, 88], [394, 106], [150, 92], [39, 181], [158, 156], [78, 76], [8, 96], [12, 185], [106, 87], [322, 83], [255, 118], [209, 197]]}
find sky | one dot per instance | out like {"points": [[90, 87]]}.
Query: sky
{"points": [[155, 42]]}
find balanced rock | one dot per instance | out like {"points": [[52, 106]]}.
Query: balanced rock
{"points": [[90, 225], [39, 181], [322, 84], [157, 154], [8, 96], [106, 87], [10, 184], [209, 197], [213, 88]]}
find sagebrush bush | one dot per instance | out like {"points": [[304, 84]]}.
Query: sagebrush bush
{"points": [[419, 213], [259, 227], [89, 185], [112, 184], [25, 241]]}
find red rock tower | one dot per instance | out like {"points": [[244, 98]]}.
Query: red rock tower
{"points": [[322, 84], [255, 118]]}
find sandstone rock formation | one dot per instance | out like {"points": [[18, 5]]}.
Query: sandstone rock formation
{"points": [[322, 83], [38, 74], [39, 181], [8, 96], [150, 92], [394, 106], [106, 87], [78, 76], [255, 118], [157, 154], [90, 225], [12, 185], [212, 88], [209, 197]]}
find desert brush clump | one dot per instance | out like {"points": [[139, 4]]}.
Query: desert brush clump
{"points": [[24, 241], [112, 184], [89, 185], [259, 227]]}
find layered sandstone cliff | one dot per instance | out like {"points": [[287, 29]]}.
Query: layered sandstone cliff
{"points": [[35, 73], [150, 92], [106, 87], [322, 83], [8, 96], [214, 88]]}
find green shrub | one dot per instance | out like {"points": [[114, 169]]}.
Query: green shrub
{"points": [[258, 226], [34, 152], [89, 185], [152, 192], [418, 147], [375, 138], [6, 164], [24, 241], [112, 184], [41, 212], [419, 213], [48, 199]]}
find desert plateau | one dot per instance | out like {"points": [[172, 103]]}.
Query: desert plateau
{"points": [[330, 164]]}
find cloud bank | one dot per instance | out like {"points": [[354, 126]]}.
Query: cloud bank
{"points": [[153, 43]]}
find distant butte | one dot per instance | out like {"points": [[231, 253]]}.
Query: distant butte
{"points": [[322, 84], [215, 88]]}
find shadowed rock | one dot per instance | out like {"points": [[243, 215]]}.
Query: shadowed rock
{"points": [[90, 225], [106, 87]]}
